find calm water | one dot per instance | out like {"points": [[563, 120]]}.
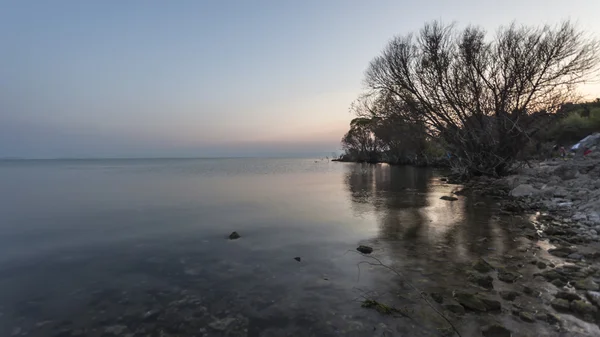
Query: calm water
{"points": [[139, 247]]}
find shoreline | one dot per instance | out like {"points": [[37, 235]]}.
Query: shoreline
{"points": [[559, 202]]}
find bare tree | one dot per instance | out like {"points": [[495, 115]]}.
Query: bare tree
{"points": [[483, 97]]}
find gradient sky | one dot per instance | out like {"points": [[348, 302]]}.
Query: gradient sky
{"points": [[116, 78]]}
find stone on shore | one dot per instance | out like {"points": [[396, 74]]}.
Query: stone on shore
{"points": [[586, 284], [569, 296], [365, 249], [470, 301], [448, 198], [495, 330], [560, 304], [482, 266], [485, 281], [508, 295]]}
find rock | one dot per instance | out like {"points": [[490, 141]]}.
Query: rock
{"points": [[524, 190], [527, 316], [495, 330], [551, 275], [558, 283], [115, 329], [507, 276], [485, 281], [443, 179], [470, 301], [365, 249], [447, 198], [562, 251], [508, 295], [594, 297], [234, 236], [561, 192], [560, 304], [583, 307], [298, 258], [566, 172], [491, 304], [586, 284], [437, 297], [222, 324], [575, 256], [482, 266], [455, 308], [151, 315], [531, 292], [567, 296], [541, 265]]}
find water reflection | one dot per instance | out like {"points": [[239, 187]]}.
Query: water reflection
{"points": [[419, 231]]}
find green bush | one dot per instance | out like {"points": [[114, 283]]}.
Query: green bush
{"points": [[574, 127]]}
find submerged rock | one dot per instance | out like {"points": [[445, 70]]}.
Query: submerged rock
{"points": [[567, 296], [485, 281], [491, 304], [470, 301], [482, 266], [437, 297], [560, 304], [594, 297], [583, 307], [507, 276], [495, 330], [234, 236], [455, 308], [365, 249], [509, 295], [527, 316], [448, 198], [586, 284]]}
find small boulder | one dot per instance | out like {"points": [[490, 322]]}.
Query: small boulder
{"points": [[569, 296], [551, 275], [234, 236], [470, 301], [507, 276], [594, 297], [482, 266], [365, 249], [437, 297], [527, 316], [491, 304], [485, 281], [541, 265], [586, 284], [575, 256], [455, 308], [448, 198], [509, 295], [583, 307], [298, 258], [560, 304], [558, 283], [524, 190], [495, 330]]}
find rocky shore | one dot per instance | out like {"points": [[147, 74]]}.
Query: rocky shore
{"points": [[554, 278]]}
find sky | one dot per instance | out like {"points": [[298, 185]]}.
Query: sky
{"points": [[153, 78]]}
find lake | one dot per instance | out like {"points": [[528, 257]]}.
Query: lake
{"points": [[140, 247]]}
